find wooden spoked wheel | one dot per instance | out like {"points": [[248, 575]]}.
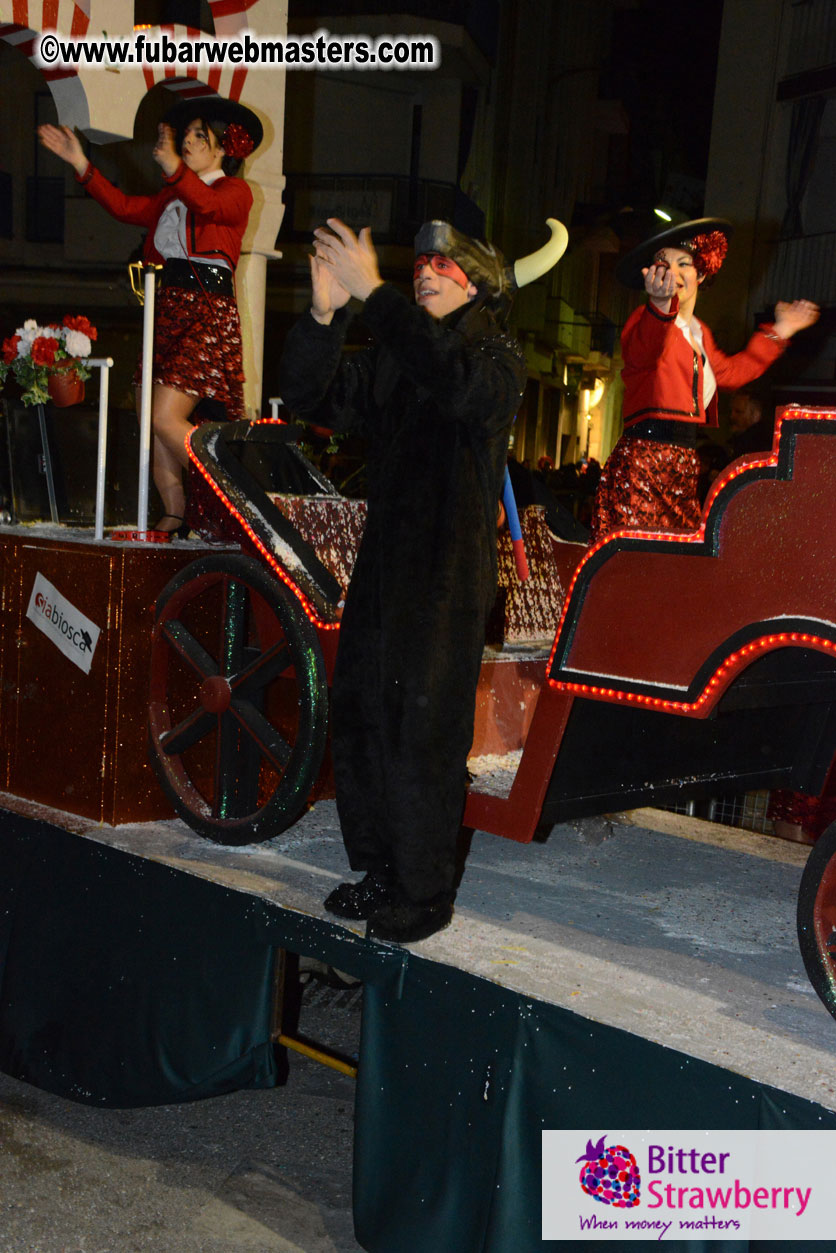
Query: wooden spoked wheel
{"points": [[817, 917], [239, 700]]}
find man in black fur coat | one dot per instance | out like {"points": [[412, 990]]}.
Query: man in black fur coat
{"points": [[435, 399]]}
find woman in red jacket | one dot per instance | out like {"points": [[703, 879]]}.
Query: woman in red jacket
{"points": [[195, 226], [672, 371]]}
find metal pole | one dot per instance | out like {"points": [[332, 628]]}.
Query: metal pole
{"points": [[145, 409], [104, 365], [50, 485]]}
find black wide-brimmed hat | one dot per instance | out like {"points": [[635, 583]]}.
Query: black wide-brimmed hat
{"points": [[629, 269], [213, 108]]}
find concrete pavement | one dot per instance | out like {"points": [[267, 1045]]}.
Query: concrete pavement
{"points": [[250, 1172]]}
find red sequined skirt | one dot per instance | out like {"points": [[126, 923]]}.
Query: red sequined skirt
{"points": [[197, 347], [647, 486]]}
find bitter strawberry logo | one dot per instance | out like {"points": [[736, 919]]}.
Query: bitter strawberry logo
{"points": [[610, 1174]]}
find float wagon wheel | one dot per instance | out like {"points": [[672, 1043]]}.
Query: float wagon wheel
{"points": [[817, 917], [239, 700]]}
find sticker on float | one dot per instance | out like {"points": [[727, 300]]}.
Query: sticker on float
{"points": [[66, 626]]}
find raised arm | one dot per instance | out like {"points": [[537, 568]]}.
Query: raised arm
{"points": [[226, 202], [765, 346], [315, 381], [463, 377], [792, 316], [65, 144], [646, 335]]}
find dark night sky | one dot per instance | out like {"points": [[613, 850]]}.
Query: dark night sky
{"points": [[662, 68]]}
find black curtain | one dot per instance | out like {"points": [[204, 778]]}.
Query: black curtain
{"points": [[801, 154]]}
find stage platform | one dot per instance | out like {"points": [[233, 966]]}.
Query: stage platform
{"points": [[677, 930], [634, 970]]}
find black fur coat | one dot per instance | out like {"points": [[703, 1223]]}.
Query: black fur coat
{"points": [[435, 401]]}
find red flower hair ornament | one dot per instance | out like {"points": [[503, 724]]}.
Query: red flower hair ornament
{"points": [[709, 252], [237, 142], [704, 238]]}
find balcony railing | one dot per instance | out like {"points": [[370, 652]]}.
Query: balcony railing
{"points": [[804, 266], [481, 21], [812, 36], [393, 205]]}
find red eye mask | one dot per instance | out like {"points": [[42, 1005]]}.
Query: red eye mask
{"points": [[441, 265]]}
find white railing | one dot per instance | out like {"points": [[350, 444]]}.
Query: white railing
{"points": [[104, 366], [149, 282]]}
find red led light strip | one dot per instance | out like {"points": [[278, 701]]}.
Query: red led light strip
{"points": [[308, 608], [725, 672], [718, 682]]}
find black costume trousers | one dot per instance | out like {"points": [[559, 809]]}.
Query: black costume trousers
{"points": [[403, 707]]}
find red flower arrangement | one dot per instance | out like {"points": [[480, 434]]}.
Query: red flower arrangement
{"points": [[34, 353], [78, 322], [9, 349], [42, 351]]}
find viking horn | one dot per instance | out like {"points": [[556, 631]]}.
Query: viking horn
{"points": [[527, 269]]}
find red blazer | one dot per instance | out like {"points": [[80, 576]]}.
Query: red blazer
{"points": [[215, 222], [663, 375]]}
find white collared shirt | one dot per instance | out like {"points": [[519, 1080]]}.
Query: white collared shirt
{"points": [[170, 234], [693, 335]]}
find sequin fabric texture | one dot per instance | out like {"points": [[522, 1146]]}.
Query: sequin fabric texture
{"points": [[647, 486], [197, 347], [532, 609], [333, 527]]}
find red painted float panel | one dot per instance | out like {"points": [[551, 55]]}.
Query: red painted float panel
{"points": [[656, 617], [72, 740], [505, 698]]}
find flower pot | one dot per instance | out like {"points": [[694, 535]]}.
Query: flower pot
{"points": [[65, 388]]}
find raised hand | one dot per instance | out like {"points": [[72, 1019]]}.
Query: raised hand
{"points": [[64, 143], [795, 315], [351, 259], [327, 294], [659, 283], [165, 153]]}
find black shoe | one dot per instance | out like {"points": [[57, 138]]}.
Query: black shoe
{"points": [[403, 922], [360, 900], [175, 532]]}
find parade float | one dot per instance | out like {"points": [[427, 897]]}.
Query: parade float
{"points": [[164, 713]]}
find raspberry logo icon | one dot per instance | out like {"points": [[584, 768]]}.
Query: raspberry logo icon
{"points": [[609, 1174]]}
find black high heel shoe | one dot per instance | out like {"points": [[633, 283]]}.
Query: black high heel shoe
{"points": [[183, 531]]}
